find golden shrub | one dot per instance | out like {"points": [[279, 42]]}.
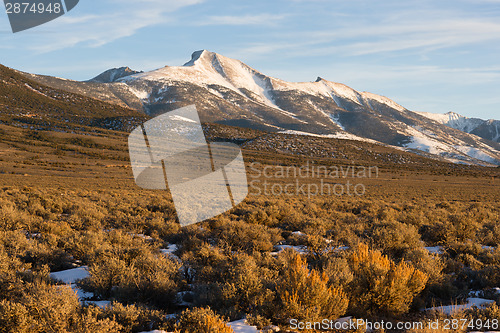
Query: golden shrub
{"points": [[380, 285], [44, 308], [305, 294], [202, 320]]}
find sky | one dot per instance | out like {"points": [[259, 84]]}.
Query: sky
{"points": [[427, 55]]}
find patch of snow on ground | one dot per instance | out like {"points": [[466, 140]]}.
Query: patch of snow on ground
{"points": [[300, 133], [148, 238], [163, 90], [348, 136], [478, 293], [101, 304], [471, 302], [241, 326], [82, 295], [340, 135], [298, 248], [70, 276], [435, 249], [171, 248], [291, 115], [476, 153]]}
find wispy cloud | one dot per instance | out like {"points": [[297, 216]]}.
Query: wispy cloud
{"points": [[368, 38], [426, 36], [484, 1], [115, 20], [260, 19], [431, 74], [263, 49]]}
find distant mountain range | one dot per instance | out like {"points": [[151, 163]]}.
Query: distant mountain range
{"points": [[487, 129], [227, 91]]}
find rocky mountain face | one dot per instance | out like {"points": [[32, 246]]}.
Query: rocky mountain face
{"points": [[487, 129], [113, 75], [227, 91]]}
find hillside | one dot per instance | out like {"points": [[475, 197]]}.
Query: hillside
{"points": [[33, 105]]}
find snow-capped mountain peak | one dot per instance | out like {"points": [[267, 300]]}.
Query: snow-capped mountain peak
{"points": [[203, 58], [446, 118], [208, 70], [488, 129], [195, 57]]}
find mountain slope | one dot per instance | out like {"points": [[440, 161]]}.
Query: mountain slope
{"points": [[487, 129], [24, 101], [115, 93], [112, 75], [227, 91]]}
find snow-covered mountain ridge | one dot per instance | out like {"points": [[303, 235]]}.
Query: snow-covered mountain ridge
{"points": [[207, 68], [228, 91], [488, 129]]}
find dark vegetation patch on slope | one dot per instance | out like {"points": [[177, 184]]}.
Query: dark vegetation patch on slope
{"points": [[25, 101]]}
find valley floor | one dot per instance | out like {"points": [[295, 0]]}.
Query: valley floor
{"points": [[421, 243]]}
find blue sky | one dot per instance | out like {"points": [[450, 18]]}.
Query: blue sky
{"points": [[434, 56]]}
